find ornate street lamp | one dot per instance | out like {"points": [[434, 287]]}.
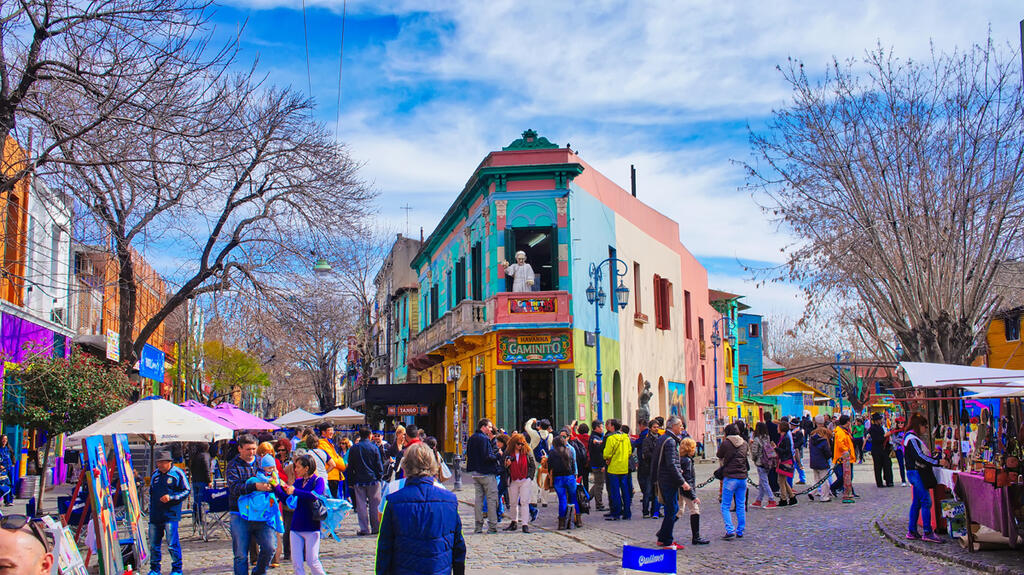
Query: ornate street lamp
{"points": [[597, 296]]}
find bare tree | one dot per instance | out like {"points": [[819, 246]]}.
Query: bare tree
{"points": [[902, 182], [240, 183], [68, 68]]}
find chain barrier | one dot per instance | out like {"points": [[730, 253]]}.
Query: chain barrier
{"points": [[758, 486]]}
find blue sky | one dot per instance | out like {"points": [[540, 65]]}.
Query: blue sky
{"points": [[429, 88]]}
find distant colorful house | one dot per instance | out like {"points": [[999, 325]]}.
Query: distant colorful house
{"points": [[750, 354], [795, 398]]}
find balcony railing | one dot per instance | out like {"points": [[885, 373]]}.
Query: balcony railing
{"points": [[473, 317]]}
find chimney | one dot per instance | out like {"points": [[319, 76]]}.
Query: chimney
{"points": [[632, 179], [421, 234]]}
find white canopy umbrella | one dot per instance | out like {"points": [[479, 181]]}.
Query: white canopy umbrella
{"points": [[967, 377], [297, 417], [343, 416], [1000, 393], [156, 420]]}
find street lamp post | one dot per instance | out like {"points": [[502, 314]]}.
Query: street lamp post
{"points": [[455, 374], [597, 296], [716, 340]]}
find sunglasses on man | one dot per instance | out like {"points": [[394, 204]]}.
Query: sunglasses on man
{"points": [[18, 522]]}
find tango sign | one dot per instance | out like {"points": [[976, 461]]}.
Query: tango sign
{"points": [[520, 349], [408, 410]]}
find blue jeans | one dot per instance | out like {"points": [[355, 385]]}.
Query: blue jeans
{"points": [[921, 504], [243, 531], [668, 521], [651, 505], [799, 465], [734, 490], [619, 495], [197, 499], [156, 537], [565, 487]]}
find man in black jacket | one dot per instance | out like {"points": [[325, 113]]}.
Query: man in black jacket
{"points": [[482, 459], [598, 477], [773, 434], [364, 473], [240, 469], [665, 470], [649, 503]]}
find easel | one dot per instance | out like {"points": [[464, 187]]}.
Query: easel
{"points": [[86, 512]]}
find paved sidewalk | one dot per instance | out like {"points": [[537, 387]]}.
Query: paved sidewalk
{"points": [[893, 525]]}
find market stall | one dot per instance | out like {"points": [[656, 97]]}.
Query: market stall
{"points": [[973, 413]]}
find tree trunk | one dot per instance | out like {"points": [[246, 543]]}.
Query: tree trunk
{"points": [[127, 293], [42, 476]]}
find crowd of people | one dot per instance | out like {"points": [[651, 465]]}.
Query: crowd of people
{"points": [[277, 486]]}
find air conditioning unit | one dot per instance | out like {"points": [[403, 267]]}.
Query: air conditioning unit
{"points": [[57, 316]]}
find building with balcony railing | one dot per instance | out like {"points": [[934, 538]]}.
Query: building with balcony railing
{"points": [[511, 350]]}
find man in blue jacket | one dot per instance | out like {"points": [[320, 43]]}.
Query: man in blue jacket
{"points": [[240, 469], [168, 487], [482, 459], [421, 532], [364, 472]]}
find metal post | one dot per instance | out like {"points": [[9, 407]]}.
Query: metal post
{"points": [[597, 337]]}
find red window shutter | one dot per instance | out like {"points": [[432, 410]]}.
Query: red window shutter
{"points": [[666, 307], [657, 301]]}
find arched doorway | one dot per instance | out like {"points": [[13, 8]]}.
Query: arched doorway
{"points": [[662, 398], [691, 403], [617, 395]]}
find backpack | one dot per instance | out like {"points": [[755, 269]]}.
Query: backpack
{"points": [[769, 458]]}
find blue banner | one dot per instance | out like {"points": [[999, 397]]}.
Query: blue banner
{"points": [[648, 560], [151, 363]]}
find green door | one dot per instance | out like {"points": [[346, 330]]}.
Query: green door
{"points": [[505, 392], [565, 397]]}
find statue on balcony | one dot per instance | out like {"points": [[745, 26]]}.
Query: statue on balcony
{"points": [[520, 272], [643, 412]]}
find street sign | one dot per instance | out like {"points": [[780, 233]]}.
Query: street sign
{"points": [[408, 410], [113, 346], [151, 363], [648, 560]]}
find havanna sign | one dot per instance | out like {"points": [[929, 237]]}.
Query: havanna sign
{"points": [[534, 348]]}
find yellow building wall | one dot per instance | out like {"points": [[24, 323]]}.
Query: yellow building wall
{"points": [[1003, 354]]}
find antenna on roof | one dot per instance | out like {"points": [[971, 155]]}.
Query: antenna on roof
{"points": [[407, 209]]}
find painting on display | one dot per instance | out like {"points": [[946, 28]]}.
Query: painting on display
{"points": [[534, 348], [130, 495], [65, 550], [677, 400], [102, 504]]}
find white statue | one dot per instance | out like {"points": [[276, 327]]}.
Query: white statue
{"points": [[520, 272]]}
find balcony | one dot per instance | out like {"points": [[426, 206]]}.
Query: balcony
{"points": [[380, 365], [473, 317]]}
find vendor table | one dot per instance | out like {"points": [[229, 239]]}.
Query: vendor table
{"points": [[988, 505]]}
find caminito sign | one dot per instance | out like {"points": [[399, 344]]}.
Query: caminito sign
{"points": [[532, 348]]}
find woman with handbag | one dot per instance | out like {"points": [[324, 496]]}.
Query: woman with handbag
{"points": [[763, 453], [305, 528], [522, 467], [922, 478], [732, 470], [786, 467]]}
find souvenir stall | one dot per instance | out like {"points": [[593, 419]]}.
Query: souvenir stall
{"points": [[973, 415]]}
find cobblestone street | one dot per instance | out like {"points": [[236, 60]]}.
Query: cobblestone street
{"points": [[807, 539]]}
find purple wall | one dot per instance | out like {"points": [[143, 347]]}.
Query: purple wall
{"points": [[15, 333]]}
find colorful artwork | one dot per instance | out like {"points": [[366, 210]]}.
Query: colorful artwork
{"points": [[533, 348], [677, 399], [533, 304], [65, 550], [130, 496], [102, 503]]}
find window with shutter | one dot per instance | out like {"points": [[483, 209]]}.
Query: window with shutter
{"points": [[657, 301]]}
